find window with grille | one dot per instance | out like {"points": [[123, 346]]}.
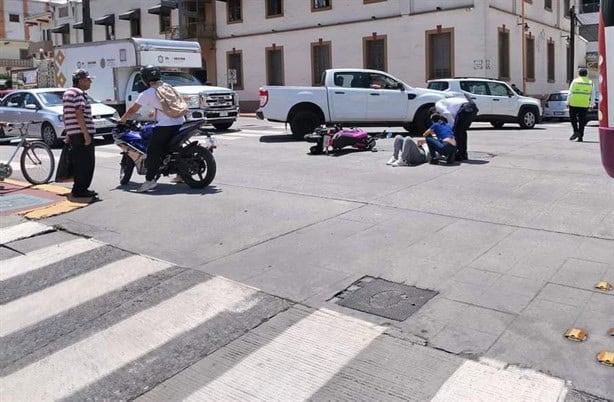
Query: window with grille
{"points": [[13, 17], [63, 12], [439, 54], [374, 51], [135, 27], [274, 8], [550, 55], [233, 7], [275, 66], [548, 4], [566, 7], [65, 38], [530, 58], [320, 61], [234, 61], [165, 21], [317, 5], [504, 54]]}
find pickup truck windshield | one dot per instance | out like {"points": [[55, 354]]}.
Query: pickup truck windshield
{"points": [[177, 79]]}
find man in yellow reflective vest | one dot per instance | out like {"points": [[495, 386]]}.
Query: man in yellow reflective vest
{"points": [[579, 100]]}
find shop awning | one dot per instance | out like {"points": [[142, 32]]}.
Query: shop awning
{"points": [[164, 7], [134, 14], [108, 19], [62, 28], [78, 25]]}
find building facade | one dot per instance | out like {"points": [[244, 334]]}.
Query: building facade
{"points": [[290, 42], [24, 34]]}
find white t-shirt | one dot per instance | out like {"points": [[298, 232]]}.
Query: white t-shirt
{"points": [[449, 108], [149, 98]]}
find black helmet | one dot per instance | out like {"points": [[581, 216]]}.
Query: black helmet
{"points": [[150, 73], [582, 72], [79, 74]]}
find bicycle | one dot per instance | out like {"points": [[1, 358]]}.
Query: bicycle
{"points": [[37, 161]]}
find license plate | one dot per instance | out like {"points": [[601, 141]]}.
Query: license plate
{"points": [[101, 123], [223, 114], [559, 113]]}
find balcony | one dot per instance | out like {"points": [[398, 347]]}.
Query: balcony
{"points": [[16, 63]]}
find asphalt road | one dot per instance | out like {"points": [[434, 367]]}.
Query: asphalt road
{"points": [[513, 242]]}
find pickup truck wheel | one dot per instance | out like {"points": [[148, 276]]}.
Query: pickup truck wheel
{"points": [[497, 124], [422, 119], [222, 126], [304, 122], [527, 118]]}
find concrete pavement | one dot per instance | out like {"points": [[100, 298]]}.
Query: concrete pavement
{"points": [[513, 242]]}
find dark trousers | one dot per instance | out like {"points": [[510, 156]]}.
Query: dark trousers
{"points": [[462, 123], [437, 146], [84, 161], [156, 148], [577, 115]]}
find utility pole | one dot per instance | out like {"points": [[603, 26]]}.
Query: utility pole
{"points": [[522, 42], [87, 21], [572, 43]]}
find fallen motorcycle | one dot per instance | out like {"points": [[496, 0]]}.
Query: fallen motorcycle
{"points": [[193, 162], [333, 139]]}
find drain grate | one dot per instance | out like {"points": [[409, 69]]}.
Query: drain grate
{"points": [[384, 298]]}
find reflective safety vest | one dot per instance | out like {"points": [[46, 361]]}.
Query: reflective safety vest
{"points": [[580, 92]]}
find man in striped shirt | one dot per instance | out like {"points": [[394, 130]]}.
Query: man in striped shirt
{"points": [[80, 129]]}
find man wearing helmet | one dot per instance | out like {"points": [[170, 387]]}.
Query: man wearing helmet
{"points": [[79, 125], [579, 100], [165, 129]]}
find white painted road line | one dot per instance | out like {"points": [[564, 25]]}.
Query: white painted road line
{"points": [[475, 381], [65, 295], [43, 257], [22, 231], [71, 369], [295, 364]]}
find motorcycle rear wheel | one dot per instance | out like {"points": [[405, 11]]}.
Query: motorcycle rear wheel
{"points": [[126, 167], [197, 167]]}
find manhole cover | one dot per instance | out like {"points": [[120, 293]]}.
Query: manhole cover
{"points": [[384, 298], [11, 202]]}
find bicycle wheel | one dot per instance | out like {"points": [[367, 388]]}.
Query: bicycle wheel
{"points": [[37, 163]]}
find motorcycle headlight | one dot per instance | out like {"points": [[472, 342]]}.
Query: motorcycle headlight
{"points": [[193, 101]]}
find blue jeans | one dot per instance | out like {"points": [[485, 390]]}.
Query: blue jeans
{"points": [[443, 148]]}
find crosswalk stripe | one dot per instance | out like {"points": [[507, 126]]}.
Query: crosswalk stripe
{"points": [[53, 300], [474, 381], [43, 257], [295, 364], [76, 366], [22, 231]]}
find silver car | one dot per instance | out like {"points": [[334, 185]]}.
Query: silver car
{"points": [[44, 106], [556, 106]]}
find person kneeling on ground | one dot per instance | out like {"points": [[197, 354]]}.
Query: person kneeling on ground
{"points": [[410, 152], [440, 139]]}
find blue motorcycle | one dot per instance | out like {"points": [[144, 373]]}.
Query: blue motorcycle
{"points": [[193, 162]]}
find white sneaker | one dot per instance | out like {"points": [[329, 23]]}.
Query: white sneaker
{"points": [[177, 179], [391, 161], [400, 162], [147, 186]]}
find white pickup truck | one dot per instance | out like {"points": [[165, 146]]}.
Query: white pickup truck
{"points": [[355, 97]]}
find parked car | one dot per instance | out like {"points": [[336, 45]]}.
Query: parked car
{"points": [[44, 105], [556, 107], [496, 101], [349, 96]]}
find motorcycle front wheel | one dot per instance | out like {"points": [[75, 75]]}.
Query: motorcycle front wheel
{"points": [[126, 167], [197, 167]]}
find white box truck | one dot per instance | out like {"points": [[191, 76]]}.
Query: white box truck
{"points": [[116, 64]]}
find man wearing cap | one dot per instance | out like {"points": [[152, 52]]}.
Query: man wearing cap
{"points": [[80, 129], [579, 100]]}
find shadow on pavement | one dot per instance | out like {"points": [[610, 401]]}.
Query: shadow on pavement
{"points": [[276, 138], [167, 188], [506, 128]]}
